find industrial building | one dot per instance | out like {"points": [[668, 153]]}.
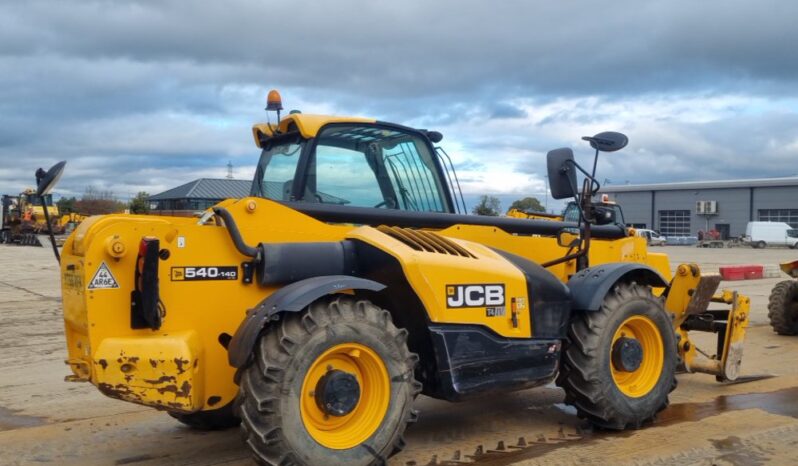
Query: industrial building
{"points": [[683, 209], [198, 195]]}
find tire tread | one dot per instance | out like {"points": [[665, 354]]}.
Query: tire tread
{"points": [[260, 382], [586, 388], [781, 313]]}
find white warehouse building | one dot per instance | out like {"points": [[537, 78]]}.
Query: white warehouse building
{"points": [[682, 209]]}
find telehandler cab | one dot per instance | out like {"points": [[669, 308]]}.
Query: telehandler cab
{"points": [[351, 280]]}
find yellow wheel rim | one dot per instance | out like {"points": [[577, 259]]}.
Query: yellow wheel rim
{"points": [[641, 381], [352, 429]]}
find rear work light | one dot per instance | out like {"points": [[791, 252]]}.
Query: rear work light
{"points": [[146, 309]]}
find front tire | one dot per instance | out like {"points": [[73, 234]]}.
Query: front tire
{"points": [[783, 308], [619, 364], [333, 384]]}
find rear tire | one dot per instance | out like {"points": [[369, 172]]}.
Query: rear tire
{"points": [[761, 245], [602, 393], [282, 426], [216, 419], [783, 308]]}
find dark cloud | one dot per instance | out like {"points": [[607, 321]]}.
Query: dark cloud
{"points": [[504, 110], [147, 94]]}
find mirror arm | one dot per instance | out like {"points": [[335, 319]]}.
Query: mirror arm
{"points": [[562, 259], [584, 246], [592, 178], [578, 167], [50, 228], [583, 224], [595, 162], [583, 260]]}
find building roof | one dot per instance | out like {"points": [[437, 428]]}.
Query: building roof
{"points": [[719, 184], [212, 188], [207, 188]]}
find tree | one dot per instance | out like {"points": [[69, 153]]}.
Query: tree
{"points": [[488, 205], [94, 202], [528, 204], [140, 204], [66, 205]]}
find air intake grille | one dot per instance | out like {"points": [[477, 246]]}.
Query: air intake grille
{"points": [[427, 241]]}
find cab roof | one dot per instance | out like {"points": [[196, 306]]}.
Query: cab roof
{"points": [[307, 125]]}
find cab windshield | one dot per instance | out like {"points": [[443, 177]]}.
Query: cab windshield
{"points": [[357, 165]]}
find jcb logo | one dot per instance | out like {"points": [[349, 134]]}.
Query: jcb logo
{"points": [[474, 295]]}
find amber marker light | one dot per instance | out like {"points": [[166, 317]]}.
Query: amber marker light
{"points": [[274, 102]]}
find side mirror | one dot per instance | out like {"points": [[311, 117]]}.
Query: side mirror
{"points": [[608, 141], [562, 175], [568, 238], [434, 136], [46, 180]]}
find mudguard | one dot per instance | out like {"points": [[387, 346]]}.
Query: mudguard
{"points": [[290, 298], [590, 286]]}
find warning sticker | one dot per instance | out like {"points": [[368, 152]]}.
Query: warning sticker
{"points": [[103, 279]]}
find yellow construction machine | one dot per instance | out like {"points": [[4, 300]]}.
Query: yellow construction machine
{"points": [[610, 212], [783, 302], [68, 222], [351, 280], [22, 218]]}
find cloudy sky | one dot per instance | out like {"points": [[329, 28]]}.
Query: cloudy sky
{"points": [[146, 95]]}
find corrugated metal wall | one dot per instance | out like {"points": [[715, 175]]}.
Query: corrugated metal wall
{"points": [[734, 205]]}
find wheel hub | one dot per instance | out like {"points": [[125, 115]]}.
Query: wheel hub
{"points": [[627, 354], [337, 393]]}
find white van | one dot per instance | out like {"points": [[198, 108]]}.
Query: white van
{"points": [[652, 237], [763, 234]]}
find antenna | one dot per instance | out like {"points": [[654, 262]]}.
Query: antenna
{"points": [[229, 170]]}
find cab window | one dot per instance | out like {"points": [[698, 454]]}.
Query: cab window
{"points": [[373, 166], [276, 169]]}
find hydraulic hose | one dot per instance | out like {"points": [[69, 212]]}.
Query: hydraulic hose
{"points": [[235, 235]]}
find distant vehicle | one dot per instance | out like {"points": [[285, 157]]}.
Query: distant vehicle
{"points": [[763, 234], [607, 212], [611, 213], [22, 218], [653, 238]]}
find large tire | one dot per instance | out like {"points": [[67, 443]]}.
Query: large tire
{"points": [[783, 308], [761, 245], [601, 392], [216, 419], [281, 427]]}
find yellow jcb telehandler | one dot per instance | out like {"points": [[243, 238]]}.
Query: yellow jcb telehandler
{"points": [[314, 311], [783, 302]]}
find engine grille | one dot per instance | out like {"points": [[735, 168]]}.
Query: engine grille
{"points": [[426, 241]]}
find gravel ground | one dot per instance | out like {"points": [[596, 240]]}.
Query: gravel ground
{"points": [[46, 420]]}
